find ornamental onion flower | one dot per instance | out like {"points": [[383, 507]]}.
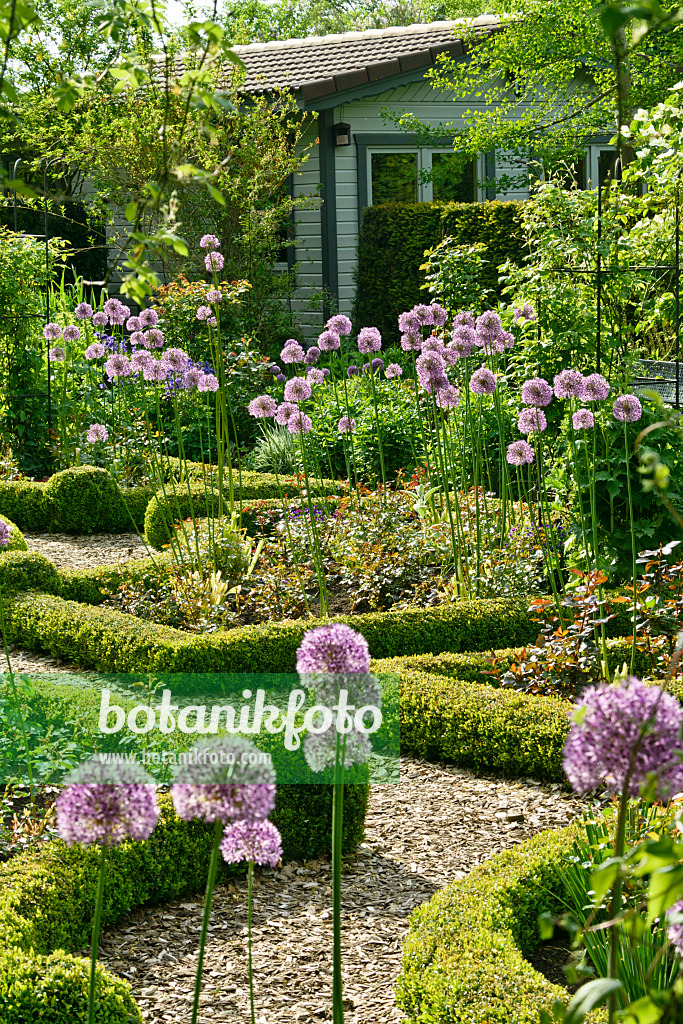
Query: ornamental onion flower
{"points": [[139, 360], [83, 311], [409, 323], [209, 242], [214, 261], [393, 370], [155, 372], [299, 423], [312, 356], [328, 341], [424, 313], [214, 295], [352, 371], [256, 841], [138, 338], [56, 354], [431, 372], [339, 324], [262, 406], [103, 804], [133, 323], [285, 411], [71, 333], [292, 352], [447, 397], [463, 319], [433, 344], [175, 359], [483, 382], [5, 529], [204, 313], [532, 421], [99, 319], [377, 365], [97, 432], [192, 377], [583, 419], [369, 340], [597, 388], [569, 384], [155, 338], [627, 409], [623, 735], [674, 930], [52, 332], [95, 351], [332, 649], [297, 390], [439, 315], [118, 366], [149, 318], [314, 375], [537, 392], [520, 453], [526, 313], [218, 783], [411, 342], [208, 382], [346, 425]]}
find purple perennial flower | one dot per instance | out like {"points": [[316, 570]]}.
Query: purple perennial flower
{"points": [[424, 313], [675, 929], [100, 319], [118, 366], [339, 324], [285, 411], [224, 780], [204, 312], [56, 354], [346, 425], [133, 323], [312, 356], [103, 804], [627, 409], [95, 351], [597, 388], [328, 341], [5, 529], [255, 841], [71, 333], [292, 352], [209, 242], [376, 365], [83, 311], [332, 649], [447, 397], [214, 295], [299, 423], [155, 372], [411, 342], [52, 332], [439, 315], [532, 421], [208, 382], [463, 319], [175, 359], [369, 340], [191, 378], [139, 360], [622, 734], [409, 323], [97, 432], [352, 371], [483, 382], [393, 370], [297, 390], [262, 406], [520, 453], [569, 384], [431, 372], [526, 312], [583, 419], [537, 392], [214, 261], [314, 375], [149, 318]]}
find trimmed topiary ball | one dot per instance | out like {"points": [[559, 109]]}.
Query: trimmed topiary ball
{"points": [[27, 570], [16, 537], [80, 500]]}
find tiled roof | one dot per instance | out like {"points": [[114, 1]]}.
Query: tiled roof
{"points": [[320, 65]]}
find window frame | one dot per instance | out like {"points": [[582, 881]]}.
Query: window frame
{"points": [[424, 191]]}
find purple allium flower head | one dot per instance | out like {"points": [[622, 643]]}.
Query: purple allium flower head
{"points": [[314, 375], [431, 372], [116, 319], [257, 841], [367, 367], [597, 388], [112, 307], [123, 311], [674, 930], [488, 324], [377, 365], [325, 372], [71, 333], [524, 312], [520, 453], [312, 356], [411, 342], [5, 529], [133, 324], [139, 360], [204, 312], [155, 338], [118, 366], [393, 370], [95, 351], [369, 340], [447, 397], [532, 421], [508, 339], [191, 378], [339, 324], [569, 384], [352, 371], [104, 804], [219, 783], [482, 381], [463, 341], [297, 390], [280, 378], [208, 382], [209, 242], [627, 409], [274, 369], [409, 323], [214, 261], [285, 411], [214, 295], [537, 392], [56, 354], [463, 319], [424, 313], [328, 341], [99, 319], [83, 311], [97, 432], [336, 649], [622, 734], [175, 359], [292, 352], [346, 425], [138, 338], [583, 419], [439, 315], [299, 423], [320, 749], [155, 372], [433, 344], [262, 406], [52, 332], [149, 318]]}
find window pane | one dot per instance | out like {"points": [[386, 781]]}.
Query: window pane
{"points": [[394, 178], [606, 165], [451, 182]]}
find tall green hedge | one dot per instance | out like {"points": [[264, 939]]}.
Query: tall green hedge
{"points": [[392, 242]]}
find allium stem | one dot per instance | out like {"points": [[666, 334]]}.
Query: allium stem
{"points": [[615, 903], [337, 833], [94, 945], [210, 882], [250, 883], [633, 546]]}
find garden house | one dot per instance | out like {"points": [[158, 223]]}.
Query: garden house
{"points": [[348, 83]]}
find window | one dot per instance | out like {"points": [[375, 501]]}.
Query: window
{"points": [[420, 176]]}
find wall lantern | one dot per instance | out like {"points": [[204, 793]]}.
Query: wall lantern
{"points": [[342, 134]]}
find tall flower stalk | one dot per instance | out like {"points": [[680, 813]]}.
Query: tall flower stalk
{"points": [[628, 409]]}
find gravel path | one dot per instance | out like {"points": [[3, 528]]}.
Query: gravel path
{"points": [[68, 552], [432, 828]]}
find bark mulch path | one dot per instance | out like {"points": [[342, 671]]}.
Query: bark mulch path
{"points": [[78, 552], [432, 828]]}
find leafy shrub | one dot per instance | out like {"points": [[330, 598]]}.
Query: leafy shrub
{"points": [[80, 499], [16, 537], [275, 451], [28, 571]]}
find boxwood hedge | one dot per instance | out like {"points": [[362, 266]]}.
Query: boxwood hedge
{"points": [[464, 956]]}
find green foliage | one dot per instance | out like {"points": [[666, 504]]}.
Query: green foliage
{"points": [[80, 499], [28, 571], [115, 642], [392, 244], [16, 537], [464, 956], [274, 451]]}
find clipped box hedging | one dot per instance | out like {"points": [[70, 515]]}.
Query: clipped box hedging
{"points": [[111, 641], [247, 483], [17, 541], [464, 956], [22, 571], [47, 897], [392, 242]]}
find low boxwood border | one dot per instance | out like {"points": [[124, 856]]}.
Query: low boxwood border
{"points": [[47, 896], [464, 956]]}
